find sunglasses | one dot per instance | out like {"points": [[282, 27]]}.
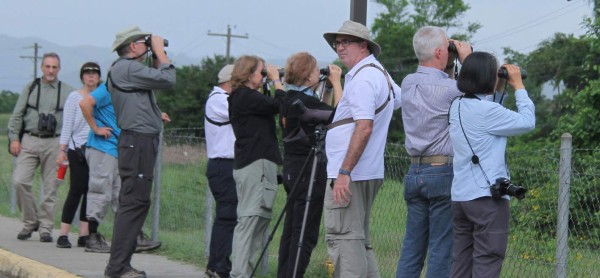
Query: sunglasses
{"points": [[91, 69]]}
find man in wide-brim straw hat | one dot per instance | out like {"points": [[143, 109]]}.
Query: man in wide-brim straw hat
{"points": [[355, 144]]}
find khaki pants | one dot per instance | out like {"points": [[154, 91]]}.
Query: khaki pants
{"points": [[104, 184], [35, 152], [348, 233], [256, 188]]}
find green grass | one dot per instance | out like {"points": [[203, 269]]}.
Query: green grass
{"points": [[182, 218]]}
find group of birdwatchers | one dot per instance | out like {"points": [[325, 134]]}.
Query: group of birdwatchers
{"points": [[333, 154]]}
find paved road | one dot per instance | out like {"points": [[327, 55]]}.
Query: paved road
{"points": [[32, 258]]}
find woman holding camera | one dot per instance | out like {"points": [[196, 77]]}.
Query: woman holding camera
{"points": [[73, 137], [301, 112], [479, 128], [256, 156]]}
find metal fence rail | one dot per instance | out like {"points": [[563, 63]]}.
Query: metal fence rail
{"points": [[555, 230]]}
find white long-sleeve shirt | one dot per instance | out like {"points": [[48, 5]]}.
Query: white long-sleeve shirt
{"points": [[73, 122]]}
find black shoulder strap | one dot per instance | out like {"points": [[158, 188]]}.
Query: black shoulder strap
{"points": [[35, 83], [380, 108], [109, 79], [211, 120], [37, 101]]}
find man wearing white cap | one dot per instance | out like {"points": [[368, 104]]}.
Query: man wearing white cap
{"points": [[355, 145], [130, 83], [219, 172]]}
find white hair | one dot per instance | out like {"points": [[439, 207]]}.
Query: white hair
{"points": [[426, 40]]}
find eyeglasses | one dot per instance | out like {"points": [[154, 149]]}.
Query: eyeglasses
{"points": [[144, 41], [90, 69], [343, 43]]}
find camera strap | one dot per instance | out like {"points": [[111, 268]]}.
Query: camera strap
{"points": [[379, 109], [37, 101], [474, 158]]}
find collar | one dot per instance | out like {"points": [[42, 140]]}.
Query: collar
{"points": [[219, 90], [304, 89], [367, 60], [53, 84], [430, 70]]}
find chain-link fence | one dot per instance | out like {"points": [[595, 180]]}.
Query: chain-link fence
{"points": [[555, 230]]}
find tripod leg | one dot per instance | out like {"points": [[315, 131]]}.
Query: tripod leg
{"points": [[262, 254], [304, 219]]}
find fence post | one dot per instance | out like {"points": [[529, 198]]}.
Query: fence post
{"points": [[157, 187], [208, 220], [562, 229]]}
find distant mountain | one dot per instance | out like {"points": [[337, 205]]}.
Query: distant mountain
{"points": [[15, 72]]}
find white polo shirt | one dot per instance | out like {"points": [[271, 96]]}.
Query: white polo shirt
{"points": [[219, 139], [362, 95]]}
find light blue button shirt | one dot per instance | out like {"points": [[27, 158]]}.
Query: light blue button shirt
{"points": [[487, 125]]}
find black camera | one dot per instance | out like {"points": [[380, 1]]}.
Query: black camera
{"points": [[324, 71], [504, 186], [148, 42], [264, 72], [503, 73], [46, 123]]}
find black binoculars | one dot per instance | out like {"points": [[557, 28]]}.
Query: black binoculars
{"points": [[503, 73], [264, 73], [148, 42]]}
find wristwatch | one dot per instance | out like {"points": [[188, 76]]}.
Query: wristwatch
{"points": [[344, 172]]}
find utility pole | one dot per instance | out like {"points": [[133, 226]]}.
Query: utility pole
{"points": [[35, 57], [229, 36], [358, 11]]}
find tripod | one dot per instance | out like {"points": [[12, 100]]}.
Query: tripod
{"points": [[317, 153]]}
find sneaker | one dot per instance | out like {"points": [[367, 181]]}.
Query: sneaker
{"points": [[26, 234], [82, 240], [144, 243], [211, 274], [63, 242], [96, 244], [46, 237], [128, 272]]}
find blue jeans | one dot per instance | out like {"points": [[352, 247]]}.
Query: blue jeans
{"points": [[429, 221]]}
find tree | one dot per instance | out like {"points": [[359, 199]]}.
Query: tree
{"points": [[394, 29], [8, 100], [185, 103]]}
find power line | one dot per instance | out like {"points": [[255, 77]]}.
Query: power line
{"points": [[35, 57], [530, 24], [229, 36]]}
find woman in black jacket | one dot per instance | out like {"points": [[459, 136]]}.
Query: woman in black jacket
{"points": [[301, 111], [256, 156]]}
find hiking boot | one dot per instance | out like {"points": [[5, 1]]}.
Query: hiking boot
{"points": [[26, 234], [128, 272], [96, 244], [63, 242], [144, 243], [82, 240], [46, 237]]}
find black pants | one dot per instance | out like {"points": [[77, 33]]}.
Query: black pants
{"points": [[294, 214], [219, 173], [79, 173], [137, 157]]}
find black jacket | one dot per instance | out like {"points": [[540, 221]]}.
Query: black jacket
{"points": [[252, 119]]}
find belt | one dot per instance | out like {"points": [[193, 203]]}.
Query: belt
{"points": [[43, 135], [220, 158], [443, 159]]}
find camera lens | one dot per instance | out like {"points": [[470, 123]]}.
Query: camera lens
{"points": [[452, 48], [324, 71]]}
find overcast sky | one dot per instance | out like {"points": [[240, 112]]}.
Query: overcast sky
{"points": [[276, 28]]}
